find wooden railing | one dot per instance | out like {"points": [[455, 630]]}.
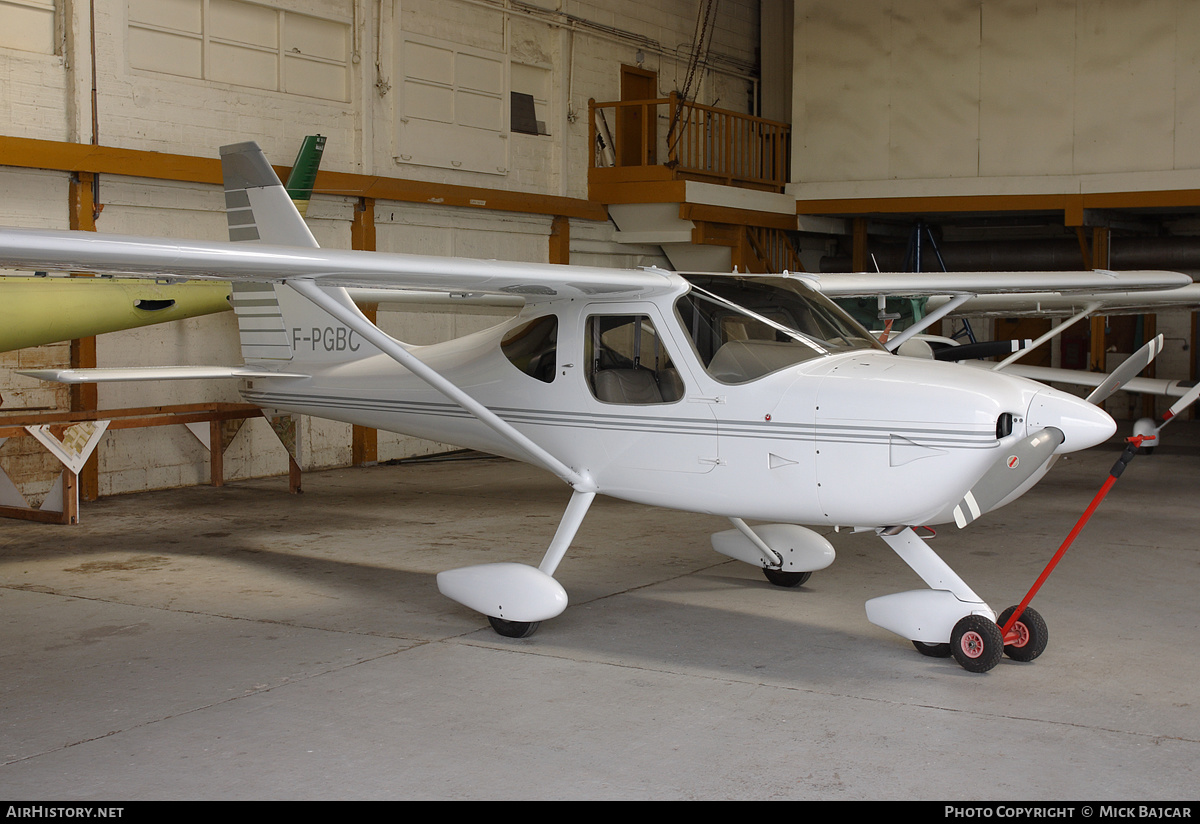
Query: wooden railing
{"points": [[700, 142], [773, 250]]}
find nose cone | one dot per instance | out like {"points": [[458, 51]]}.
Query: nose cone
{"points": [[1083, 424]]}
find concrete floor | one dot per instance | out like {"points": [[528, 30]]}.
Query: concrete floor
{"points": [[243, 643]]}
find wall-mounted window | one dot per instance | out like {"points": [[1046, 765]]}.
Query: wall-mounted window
{"points": [[453, 112], [27, 25], [530, 98], [244, 44]]}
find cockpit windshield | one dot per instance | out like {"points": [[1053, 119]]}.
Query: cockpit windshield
{"points": [[744, 328]]}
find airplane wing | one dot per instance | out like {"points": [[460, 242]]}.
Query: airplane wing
{"points": [[1075, 377], [924, 284], [1053, 304], [157, 257]]}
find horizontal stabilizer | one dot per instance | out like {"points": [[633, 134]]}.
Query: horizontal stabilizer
{"points": [[152, 373]]}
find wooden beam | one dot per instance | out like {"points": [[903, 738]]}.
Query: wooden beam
{"points": [[364, 441], [859, 260], [654, 191], [53, 155], [82, 208], [216, 454], [560, 240], [362, 229], [1071, 205]]}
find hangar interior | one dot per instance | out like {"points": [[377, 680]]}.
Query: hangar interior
{"points": [[767, 135]]}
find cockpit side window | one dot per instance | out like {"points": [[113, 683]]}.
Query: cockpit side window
{"points": [[627, 362], [532, 347]]}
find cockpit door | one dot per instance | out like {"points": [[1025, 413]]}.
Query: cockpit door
{"points": [[641, 396]]}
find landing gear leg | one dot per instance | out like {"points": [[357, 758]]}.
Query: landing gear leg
{"points": [[937, 620], [567, 527], [516, 598]]}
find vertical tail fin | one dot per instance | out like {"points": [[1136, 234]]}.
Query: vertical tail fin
{"points": [[256, 204], [275, 323]]}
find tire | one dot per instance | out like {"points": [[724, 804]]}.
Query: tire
{"points": [[786, 579], [976, 643], [1032, 632], [932, 650], [514, 629]]}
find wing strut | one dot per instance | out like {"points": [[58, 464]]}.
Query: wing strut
{"points": [[1054, 332], [927, 321], [389, 346]]}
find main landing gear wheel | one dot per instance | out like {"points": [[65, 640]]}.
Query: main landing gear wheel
{"points": [[932, 650], [976, 643], [514, 629], [786, 579], [1032, 634]]}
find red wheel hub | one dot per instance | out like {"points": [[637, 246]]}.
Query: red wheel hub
{"points": [[1018, 636], [972, 644]]}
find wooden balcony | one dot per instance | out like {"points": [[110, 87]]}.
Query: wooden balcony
{"points": [[703, 143]]}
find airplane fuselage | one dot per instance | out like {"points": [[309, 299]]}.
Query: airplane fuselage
{"points": [[857, 438]]}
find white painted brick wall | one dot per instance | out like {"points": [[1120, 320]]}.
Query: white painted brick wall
{"points": [[38, 200], [40, 97], [33, 95]]}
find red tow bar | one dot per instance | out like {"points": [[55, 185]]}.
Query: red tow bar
{"points": [[1130, 451]]}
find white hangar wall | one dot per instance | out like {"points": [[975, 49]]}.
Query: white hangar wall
{"points": [[409, 89], [943, 97]]}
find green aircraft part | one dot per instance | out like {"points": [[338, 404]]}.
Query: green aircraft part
{"points": [[39, 310], [304, 171]]}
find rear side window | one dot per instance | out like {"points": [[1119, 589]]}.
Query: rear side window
{"points": [[533, 347]]}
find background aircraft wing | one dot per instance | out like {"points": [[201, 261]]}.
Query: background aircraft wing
{"points": [[1053, 304], [924, 284], [1149, 386]]}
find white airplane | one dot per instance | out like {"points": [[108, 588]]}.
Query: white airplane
{"points": [[742, 397]]}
